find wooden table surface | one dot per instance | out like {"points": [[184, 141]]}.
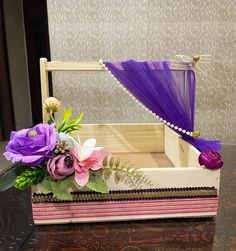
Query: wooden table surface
{"points": [[17, 231]]}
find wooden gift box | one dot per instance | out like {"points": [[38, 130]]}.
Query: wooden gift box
{"points": [[181, 187]]}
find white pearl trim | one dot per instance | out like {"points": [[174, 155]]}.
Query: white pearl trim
{"points": [[143, 106]]}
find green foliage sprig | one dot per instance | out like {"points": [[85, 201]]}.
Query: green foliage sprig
{"points": [[61, 189], [124, 172], [97, 182], [67, 126], [33, 176]]}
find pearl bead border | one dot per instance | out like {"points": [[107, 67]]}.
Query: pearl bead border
{"points": [[143, 106]]}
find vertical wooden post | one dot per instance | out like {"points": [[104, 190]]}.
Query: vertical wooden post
{"points": [[44, 86]]}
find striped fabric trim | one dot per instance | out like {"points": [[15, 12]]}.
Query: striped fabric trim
{"points": [[50, 213], [131, 195]]}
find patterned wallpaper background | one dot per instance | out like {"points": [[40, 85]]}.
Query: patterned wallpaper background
{"points": [[87, 30]]}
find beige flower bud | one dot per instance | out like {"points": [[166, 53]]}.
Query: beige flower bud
{"points": [[52, 105]]}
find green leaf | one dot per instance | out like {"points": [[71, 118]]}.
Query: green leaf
{"points": [[69, 128], [63, 196], [59, 188], [45, 186], [59, 126], [97, 184], [67, 114], [76, 121], [70, 183]]}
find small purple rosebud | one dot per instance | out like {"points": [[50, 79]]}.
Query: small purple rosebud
{"points": [[210, 159]]}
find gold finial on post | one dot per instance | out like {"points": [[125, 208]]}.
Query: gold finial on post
{"points": [[196, 58], [195, 134]]}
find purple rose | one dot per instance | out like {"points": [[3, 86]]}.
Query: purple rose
{"points": [[210, 159], [32, 146], [61, 166]]}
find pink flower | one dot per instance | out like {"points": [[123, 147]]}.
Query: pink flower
{"points": [[210, 159], [61, 166], [87, 157]]}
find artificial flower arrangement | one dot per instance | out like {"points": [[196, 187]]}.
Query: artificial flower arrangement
{"points": [[52, 158]]}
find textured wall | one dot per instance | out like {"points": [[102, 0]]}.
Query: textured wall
{"points": [[87, 30]]}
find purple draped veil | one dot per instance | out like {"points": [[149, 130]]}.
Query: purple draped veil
{"points": [[167, 89]]}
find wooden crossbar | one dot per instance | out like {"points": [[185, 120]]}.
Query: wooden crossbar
{"points": [[73, 66]]}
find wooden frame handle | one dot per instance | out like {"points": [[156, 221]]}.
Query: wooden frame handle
{"points": [[46, 67]]}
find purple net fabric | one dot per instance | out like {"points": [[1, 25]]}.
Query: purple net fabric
{"points": [[167, 89]]}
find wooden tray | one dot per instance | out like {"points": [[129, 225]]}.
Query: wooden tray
{"points": [[182, 188]]}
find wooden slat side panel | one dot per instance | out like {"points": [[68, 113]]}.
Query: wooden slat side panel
{"points": [[173, 177], [74, 66], [180, 153], [132, 138], [180, 177]]}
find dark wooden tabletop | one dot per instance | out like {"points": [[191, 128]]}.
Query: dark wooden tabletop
{"points": [[17, 231]]}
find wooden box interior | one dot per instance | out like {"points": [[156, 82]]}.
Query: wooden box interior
{"points": [[143, 145]]}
